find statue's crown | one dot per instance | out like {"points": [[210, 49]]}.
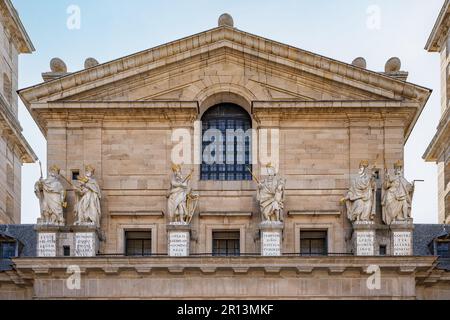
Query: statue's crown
{"points": [[55, 168], [89, 168], [175, 167], [269, 165], [398, 164], [364, 163]]}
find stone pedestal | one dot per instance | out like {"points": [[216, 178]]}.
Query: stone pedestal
{"points": [[271, 239], [47, 238], [402, 238], [364, 238], [178, 240], [86, 241]]}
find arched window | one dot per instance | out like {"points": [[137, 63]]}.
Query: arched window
{"points": [[226, 147]]}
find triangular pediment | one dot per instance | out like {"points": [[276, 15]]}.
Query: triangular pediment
{"points": [[224, 57]]}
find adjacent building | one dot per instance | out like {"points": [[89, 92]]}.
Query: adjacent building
{"points": [[439, 148], [14, 149]]}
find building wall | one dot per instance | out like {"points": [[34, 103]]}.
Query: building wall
{"points": [[444, 162], [10, 162], [132, 156]]}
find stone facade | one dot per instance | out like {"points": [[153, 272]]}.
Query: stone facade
{"points": [[120, 117], [439, 148], [14, 150]]}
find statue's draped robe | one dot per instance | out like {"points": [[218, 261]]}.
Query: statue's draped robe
{"points": [[397, 199], [51, 196], [270, 199], [360, 199], [88, 207], [177, 199]]}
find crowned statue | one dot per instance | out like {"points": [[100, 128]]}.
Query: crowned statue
{"points": [[270, 196], [52, 198], [397, 196], [182, 202], [361, 197], [88, 194]]}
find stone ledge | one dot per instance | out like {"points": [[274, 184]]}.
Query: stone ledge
{"points": [[211, 265], [136, 213], [314, 213], [226, 214]]}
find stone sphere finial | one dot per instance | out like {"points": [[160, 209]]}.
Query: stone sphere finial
{"points": [[57, 65], [360, 62], [393, 65], [226, 20], [90, 63]]}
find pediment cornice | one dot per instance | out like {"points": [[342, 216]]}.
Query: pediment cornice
{"points": [[211, 41]]}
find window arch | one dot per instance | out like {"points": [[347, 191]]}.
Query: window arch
{"points": [[226, 146]]}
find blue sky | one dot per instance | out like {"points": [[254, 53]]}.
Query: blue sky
{"points": [[340, 29]]}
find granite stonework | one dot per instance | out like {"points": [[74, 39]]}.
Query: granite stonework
{"points": [[119, 117]]}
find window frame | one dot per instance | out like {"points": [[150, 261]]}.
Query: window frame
{"points": [[230, 250], [325, 240], [219, 118], [150, 239]]}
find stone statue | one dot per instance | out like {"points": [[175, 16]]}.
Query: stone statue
{"points": [[361, 197], [270, 196], [182, 203], [88, 194], [52, 198], [397, 196]]}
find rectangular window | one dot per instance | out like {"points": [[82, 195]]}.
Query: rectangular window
{"points": [[226, 243], [7, 249], [443, 249], [313, 243], [138, 243], [66, 251], [75, 174], [383, 250]]}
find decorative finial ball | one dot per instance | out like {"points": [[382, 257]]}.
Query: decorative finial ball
{"points": [[393, 65], [226, 20], [360, 62], [90, 63], [58, 65]]}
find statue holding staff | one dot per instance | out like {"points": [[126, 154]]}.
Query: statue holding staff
{"points": [[52, 198], [270, 195]]}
